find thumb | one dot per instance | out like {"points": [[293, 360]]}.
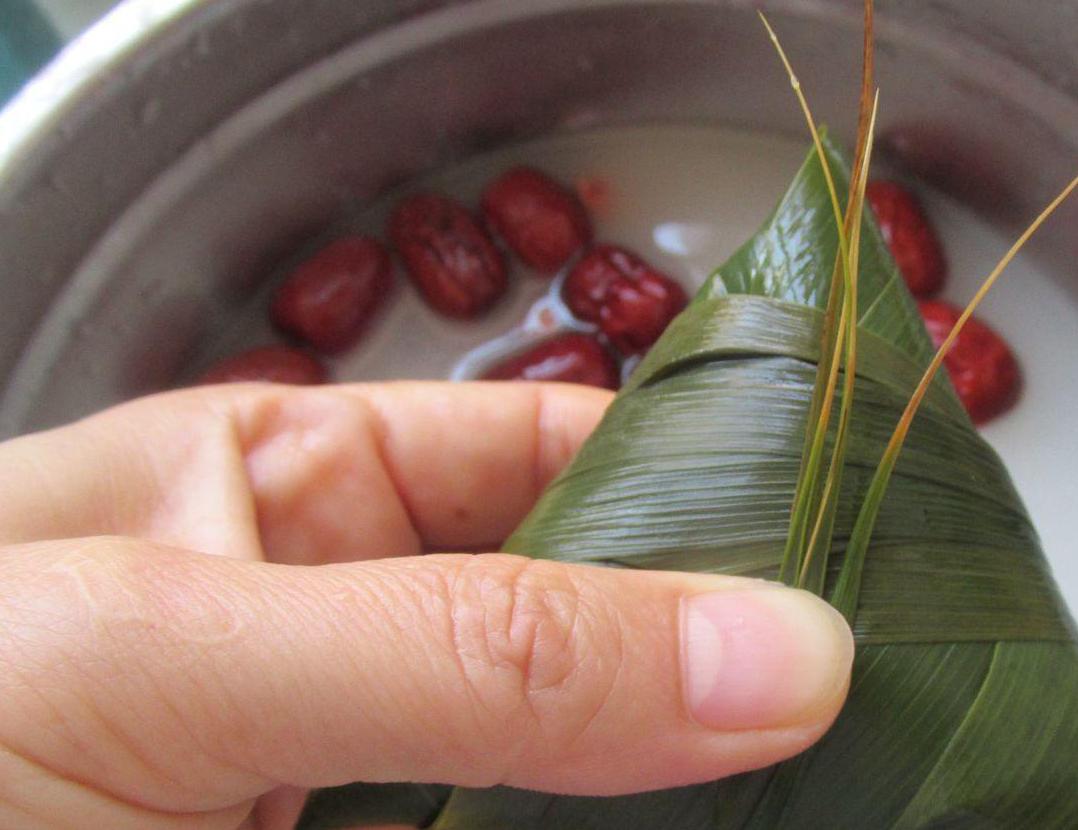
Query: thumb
{"points": [[190, 682]]}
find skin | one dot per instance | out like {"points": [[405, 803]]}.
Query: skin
{"points": [[212, 600]]}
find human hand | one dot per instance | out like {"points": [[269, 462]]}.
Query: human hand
{"points": [[214, 598]]}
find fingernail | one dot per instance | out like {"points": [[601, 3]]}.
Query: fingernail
{"points": [[762, 658]]}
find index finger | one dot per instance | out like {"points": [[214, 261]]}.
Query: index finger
{"points": [[303, 475]]}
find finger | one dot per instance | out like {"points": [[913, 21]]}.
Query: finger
{"points": [[189, 682], [278, 809], [34, 797], [398, 468], [300, 475], [168, 468]]}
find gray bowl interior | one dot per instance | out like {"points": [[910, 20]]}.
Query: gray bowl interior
{"points": [[143, 206]]}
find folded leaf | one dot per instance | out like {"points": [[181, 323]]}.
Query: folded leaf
{"points": [[963, 711]]}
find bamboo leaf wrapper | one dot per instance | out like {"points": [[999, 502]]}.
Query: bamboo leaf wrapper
{"points": [[963, 711]]}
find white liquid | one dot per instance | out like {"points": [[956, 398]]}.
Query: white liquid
{"points": [[685, 198]]}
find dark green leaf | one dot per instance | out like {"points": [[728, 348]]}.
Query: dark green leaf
{"points": [[371, 804]]}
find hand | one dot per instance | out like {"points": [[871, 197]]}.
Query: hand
{"points": [[212, 598]]}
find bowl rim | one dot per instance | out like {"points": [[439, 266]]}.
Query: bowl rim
{"points": [[78, 67]]}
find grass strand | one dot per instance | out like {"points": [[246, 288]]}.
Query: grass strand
{"points": [[808, 483], [847, 589]]}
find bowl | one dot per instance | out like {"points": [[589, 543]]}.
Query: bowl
{"points": [[156, 173]]}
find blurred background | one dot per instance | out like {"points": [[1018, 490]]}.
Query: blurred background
{"points": [[32, 31]]}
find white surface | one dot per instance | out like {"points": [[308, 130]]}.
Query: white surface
{"points": [[686, 198]]}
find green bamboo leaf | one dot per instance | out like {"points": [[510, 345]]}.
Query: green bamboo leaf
{"points": [[792, 257], [963, 711], [370, 804], [1026, 703], [847, 590]]}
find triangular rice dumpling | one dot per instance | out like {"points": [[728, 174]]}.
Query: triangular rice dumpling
{"points": [[963, 712]]}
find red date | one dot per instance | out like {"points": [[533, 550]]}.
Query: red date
{"points": [[981, 365], [637, 313], [541, 221], [274, 364], [630, 300], [569, 358], [909, 235], [448, 255], [329, 299], [589, 282]]}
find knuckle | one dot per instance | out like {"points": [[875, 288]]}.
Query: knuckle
{"points": [[531, 619], [535, 641]]}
